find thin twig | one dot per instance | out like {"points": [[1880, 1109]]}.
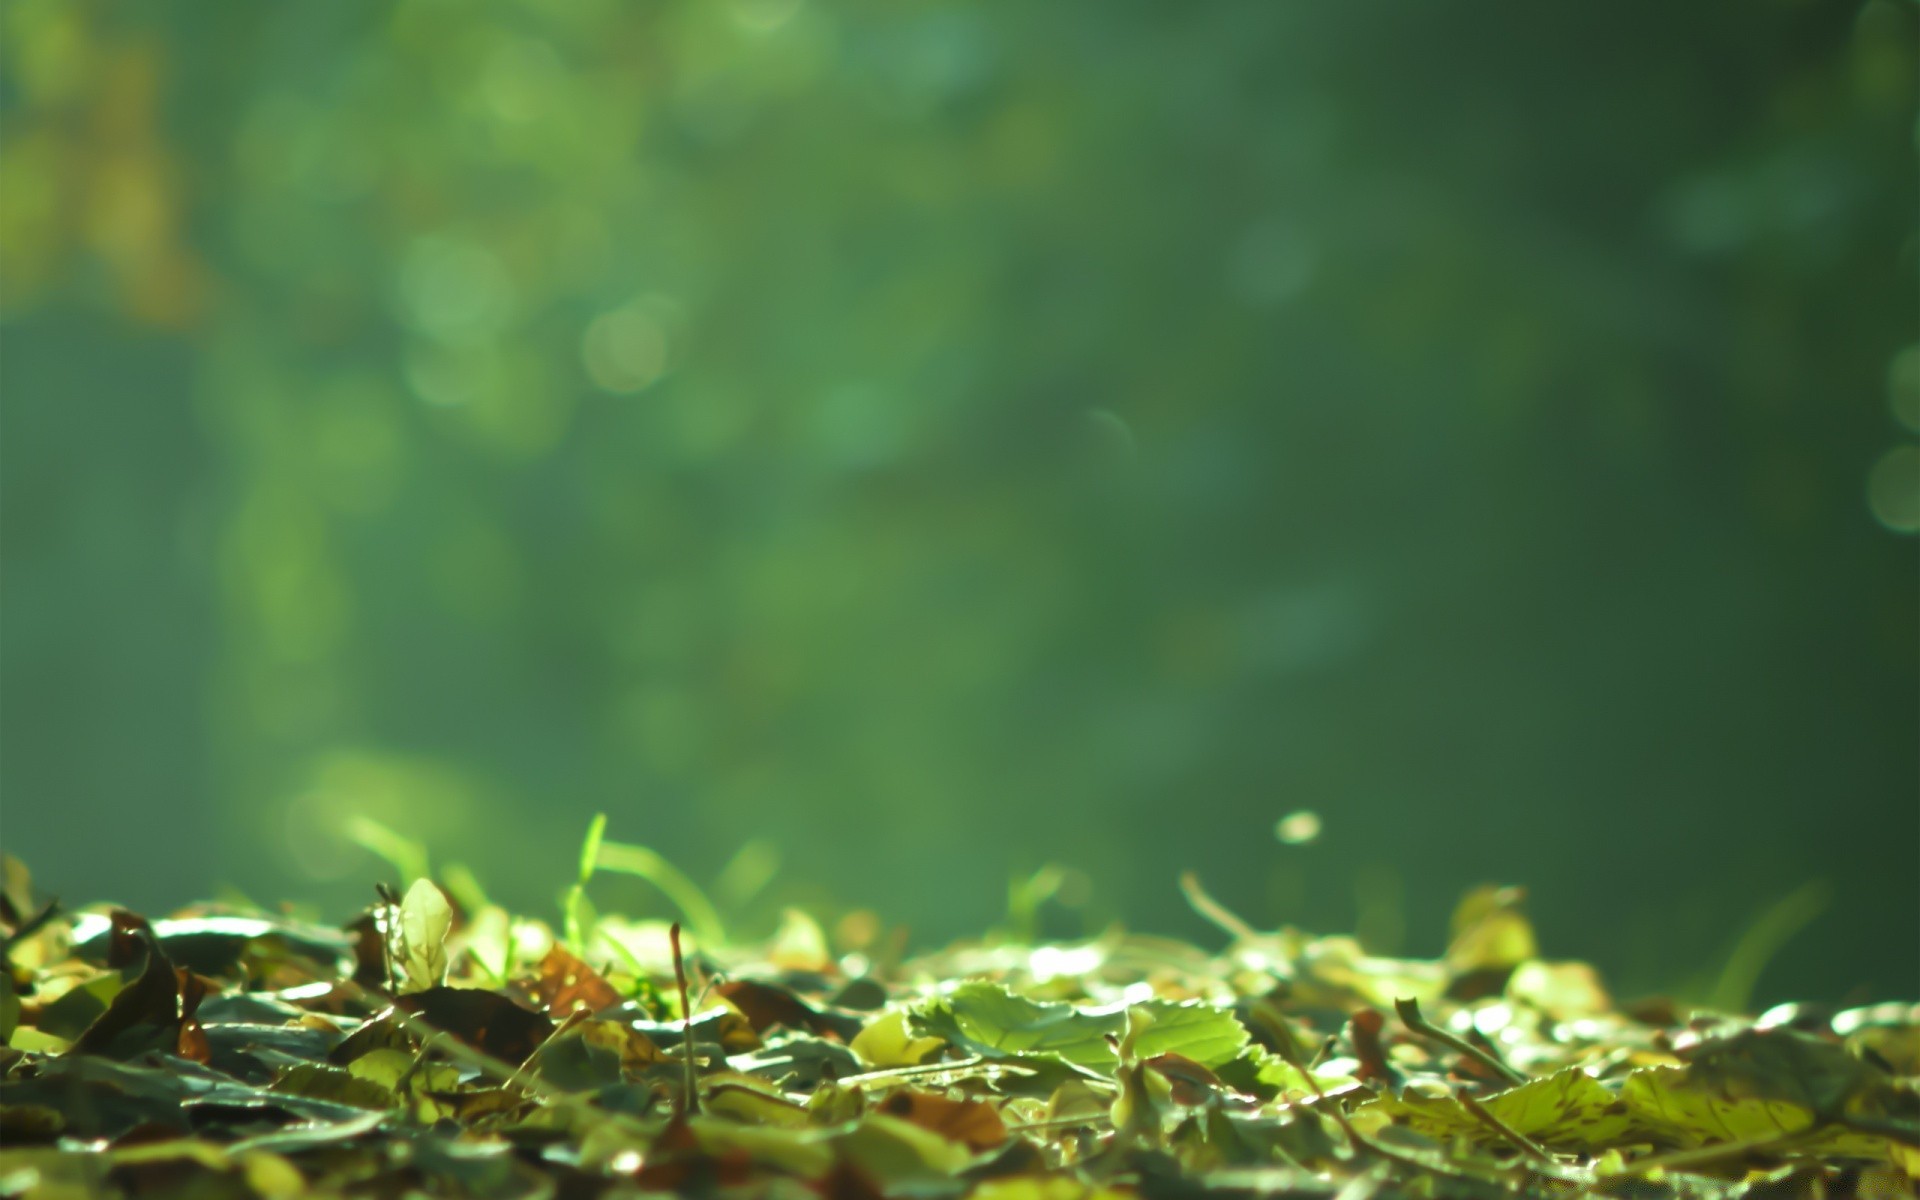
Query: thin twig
{"points": [[1213, 910], [690, 1102], [958, 1066], [1062, 1122], [1409, 1011], [1521, 1141]]}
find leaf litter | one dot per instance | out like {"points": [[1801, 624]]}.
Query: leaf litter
{"points": [[434, 1048]]}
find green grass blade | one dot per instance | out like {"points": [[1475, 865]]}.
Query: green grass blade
{"points": [[577, 894], [630, 859], [407, 857]]}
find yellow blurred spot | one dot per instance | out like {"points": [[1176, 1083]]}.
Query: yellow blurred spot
{"points": [[857, 930], [799, 944], [31, 223], [272, 1177], [1565, 991], [521, 78], [1051, 1187], [1297, 829], [625, 351], [49, 54], [1893, 489], [887, 1042], [1490, 931], [1065, 962]]}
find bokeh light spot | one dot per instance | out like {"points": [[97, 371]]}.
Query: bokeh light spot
{"points": [[1893, 489], [357, 445], [625, 351], [440, 379], [763, 16], [453, 290], [1298, 828], [521, 78], [857, 425]]}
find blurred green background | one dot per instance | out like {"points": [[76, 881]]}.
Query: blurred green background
{"points": [[921, 442]]}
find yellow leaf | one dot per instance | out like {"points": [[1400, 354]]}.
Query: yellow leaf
{"points": [[886, 1042]]}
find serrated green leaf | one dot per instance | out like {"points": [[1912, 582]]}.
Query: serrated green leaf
{"points": [[1569, 1111], [1678, 1105], [989, 1020]]}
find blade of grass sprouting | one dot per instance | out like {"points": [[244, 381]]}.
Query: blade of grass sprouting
{"points": [[464, 886], [407, 857], [590, 849], [1025, 896], [634, 966], [1765, 935], [577, 894], [749, 871], [630, 859]]}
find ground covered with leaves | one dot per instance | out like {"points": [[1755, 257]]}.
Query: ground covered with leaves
{"points": [[435, 1048]]}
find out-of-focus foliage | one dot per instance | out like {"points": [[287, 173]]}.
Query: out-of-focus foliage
{"points": [[249, 1055], [937, 439]]}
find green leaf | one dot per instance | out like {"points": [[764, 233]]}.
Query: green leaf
{"points": [[1673, 1104], [321, 1082], [993, 1022], [425, 919], [1259, 1070], [1661, 1098], [69, 1016], [1570, 1109]]}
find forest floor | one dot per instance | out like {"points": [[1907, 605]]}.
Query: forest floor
{"points": [[431, 1047]]}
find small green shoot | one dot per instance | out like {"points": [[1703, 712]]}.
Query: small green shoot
{"points": [[630, 859], [1763, 938], [425, 920], [577, 894], [407, 857], [690, 1098], [1026, 896], [464, 886]]}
